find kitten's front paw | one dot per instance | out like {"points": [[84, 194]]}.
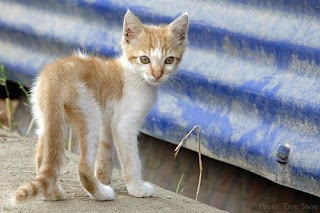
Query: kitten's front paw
{"points": [[141, 190]]}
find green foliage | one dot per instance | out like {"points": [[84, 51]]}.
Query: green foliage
{"points": [[3, 79], [3, 82], [24, 90]]}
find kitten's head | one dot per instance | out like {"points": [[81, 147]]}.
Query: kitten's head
{"points": [[154, 52]]}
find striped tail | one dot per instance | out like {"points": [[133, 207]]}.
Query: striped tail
{"points": [[49, 111], [40, 187], [30, 190]]}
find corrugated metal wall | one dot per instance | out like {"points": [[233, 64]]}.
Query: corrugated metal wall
{"points": [[249, 79]]}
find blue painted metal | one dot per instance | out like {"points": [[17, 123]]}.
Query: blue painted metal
{"points": [[249, 79]]}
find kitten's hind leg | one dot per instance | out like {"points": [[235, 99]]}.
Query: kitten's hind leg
{"points": [[54, 192], [87, 123], [39, 154], [104, 162]]}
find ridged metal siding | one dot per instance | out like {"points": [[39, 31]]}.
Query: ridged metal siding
{"points": [[249, 79]]}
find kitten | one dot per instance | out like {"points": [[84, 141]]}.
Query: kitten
{"points": [[110, 95]]}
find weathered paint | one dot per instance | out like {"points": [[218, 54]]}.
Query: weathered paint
{"points": [[249, 79]]}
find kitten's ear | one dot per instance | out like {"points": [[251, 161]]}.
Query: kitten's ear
{"points": [[132, 27], [179, 27]]}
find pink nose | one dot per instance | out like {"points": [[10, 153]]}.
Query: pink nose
{"points": [[157, 74]]}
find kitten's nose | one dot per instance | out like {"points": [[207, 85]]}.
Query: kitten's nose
{"points": [[157, 73]]}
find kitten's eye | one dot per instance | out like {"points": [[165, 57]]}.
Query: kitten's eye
{"points": [[144, 59], [169, 60]]}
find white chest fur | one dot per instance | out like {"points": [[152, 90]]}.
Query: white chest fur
{"points": [[135, 103]]}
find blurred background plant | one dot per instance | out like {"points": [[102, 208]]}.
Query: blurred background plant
{"points": [[8, 109], [9, 100]]}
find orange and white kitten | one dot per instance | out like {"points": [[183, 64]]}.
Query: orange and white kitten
{"points": [[105, 100]]}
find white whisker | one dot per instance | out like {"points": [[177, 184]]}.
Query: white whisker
{"points": [[175, 82], [141, 83], [172, 86], [177, 79]]}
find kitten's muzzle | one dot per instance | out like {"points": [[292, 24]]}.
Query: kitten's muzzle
{"points": [[155, 82]]}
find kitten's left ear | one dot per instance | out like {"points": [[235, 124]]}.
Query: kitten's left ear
{"points": [[179, 27], [132, 27]]}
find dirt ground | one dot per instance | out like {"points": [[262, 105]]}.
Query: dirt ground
{"points": [[17, 167]]}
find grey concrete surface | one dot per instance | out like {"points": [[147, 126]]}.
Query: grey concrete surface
{"points": [[17, 167]]}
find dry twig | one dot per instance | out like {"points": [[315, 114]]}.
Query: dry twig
{"points": [[197, 128], [70, 141], [178, 187], [29, 127]]}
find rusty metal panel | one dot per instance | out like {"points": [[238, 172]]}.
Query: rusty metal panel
{"points": [[249, 79]]}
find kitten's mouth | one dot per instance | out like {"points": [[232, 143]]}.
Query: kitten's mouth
{"points": [[154, 82]]}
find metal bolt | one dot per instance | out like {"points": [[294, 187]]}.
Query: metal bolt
{"points": [[283, 153]]}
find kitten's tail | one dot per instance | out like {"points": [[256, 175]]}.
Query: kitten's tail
{"points": [[50, 150], [30, 190], [45, 184]]}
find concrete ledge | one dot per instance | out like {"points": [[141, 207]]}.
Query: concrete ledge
{"points": [[17, 166]]}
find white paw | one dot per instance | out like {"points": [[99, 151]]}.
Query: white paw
{"points": [[140, 190], [104, 193]]}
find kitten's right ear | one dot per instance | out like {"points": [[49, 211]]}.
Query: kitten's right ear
{"points": [[132, 27]]}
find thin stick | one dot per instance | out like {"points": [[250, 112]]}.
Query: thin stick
{"points": [[30, 127], [9, 112], [177, 189], [200, 162], [176, 150], [70, 142], [199, 154]]}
